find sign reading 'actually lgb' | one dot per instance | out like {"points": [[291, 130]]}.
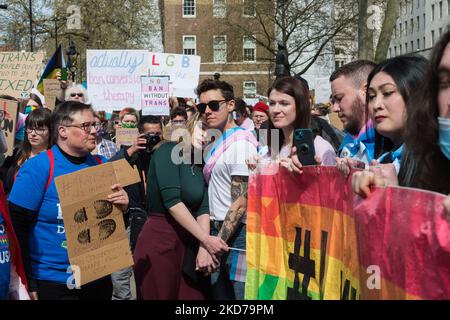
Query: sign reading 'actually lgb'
{"points": [[155, 96]]}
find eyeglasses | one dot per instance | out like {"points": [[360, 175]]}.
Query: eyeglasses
{"points": [[73, 94], [213, 105], [38, 131], [86, 126]]}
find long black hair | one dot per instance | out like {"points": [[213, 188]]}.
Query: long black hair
{"points": [[408, 73], [429, 168]]}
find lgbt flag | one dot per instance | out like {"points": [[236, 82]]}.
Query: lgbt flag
{"points": [[55, 64], [310, 237]]}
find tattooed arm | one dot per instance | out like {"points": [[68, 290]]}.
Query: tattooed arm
{"points": [[239, 185]]}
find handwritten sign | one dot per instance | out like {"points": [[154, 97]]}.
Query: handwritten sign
{"points": [[96, 240], [114, 78], [126, 136], [155, 96], [19, 71], [10, 111], [51, 90], [183, 70]]}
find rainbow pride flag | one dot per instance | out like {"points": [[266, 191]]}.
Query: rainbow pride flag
{"points": [[310, 237]]}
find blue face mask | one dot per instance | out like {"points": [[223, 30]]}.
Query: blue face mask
{"points": [[444, 136]]}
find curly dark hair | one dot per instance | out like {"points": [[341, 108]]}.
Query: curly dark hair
{"points": [[429, 169], [209, 84]]}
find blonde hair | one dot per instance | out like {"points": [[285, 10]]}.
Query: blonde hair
{"points": [[77, 88]]}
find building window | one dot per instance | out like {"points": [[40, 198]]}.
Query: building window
{"points": [[412, 46], [249, 8], [424, 21], [395, 51], [432, 12], [390, 52], [401, 49], [412, 26], [418, 44], [440, 32], [401, 30], [188, 8], [249, 49], [432, 38], [406, 28], [219, 9], [406, 47], [424, 43], [418, 23], [189, 45], [249, 89], [441, 10], [448, 7], [220, 49]]}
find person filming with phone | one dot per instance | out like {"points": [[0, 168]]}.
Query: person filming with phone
{"points": [[290, 113]]}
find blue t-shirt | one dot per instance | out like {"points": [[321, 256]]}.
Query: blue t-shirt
{"points": [[47, 241], [4, 260]]}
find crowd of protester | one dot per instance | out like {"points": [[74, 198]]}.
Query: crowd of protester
{"points": [[186, 220]]}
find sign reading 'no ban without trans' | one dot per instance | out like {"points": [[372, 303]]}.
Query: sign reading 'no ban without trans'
{"points": [[114, 76]]}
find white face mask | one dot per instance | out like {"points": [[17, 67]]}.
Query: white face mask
{"points": [[444, 136]]}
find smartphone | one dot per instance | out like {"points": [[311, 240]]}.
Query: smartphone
{"points": [[304, 141], [64, 74]]}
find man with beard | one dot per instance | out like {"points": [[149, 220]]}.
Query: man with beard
{"points": [[349, 86]]}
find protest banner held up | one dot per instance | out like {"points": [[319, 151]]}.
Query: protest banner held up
{"points": [[183, 70], [95, 230], [10, 111], [114, 78], [155, 96], [19, 71], [310, 237]]}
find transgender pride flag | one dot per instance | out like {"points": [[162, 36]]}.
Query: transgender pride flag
{"points": [[238, 269]]}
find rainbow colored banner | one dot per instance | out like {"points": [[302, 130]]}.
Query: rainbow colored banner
{"points": [[310, 237]]}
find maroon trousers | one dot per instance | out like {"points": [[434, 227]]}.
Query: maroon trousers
{"points": [[158, 262]]}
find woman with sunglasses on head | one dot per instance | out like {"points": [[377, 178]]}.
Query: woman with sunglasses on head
{"points": [[174, 249], [37, 139]]}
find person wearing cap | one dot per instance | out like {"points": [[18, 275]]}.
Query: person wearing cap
{"points": [[260, 114]]}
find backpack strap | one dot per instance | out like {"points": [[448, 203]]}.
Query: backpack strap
{"points": [[98, 159], [51, 157]]}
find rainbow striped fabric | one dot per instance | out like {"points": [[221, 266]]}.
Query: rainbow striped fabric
{"points": [[310, 237]]}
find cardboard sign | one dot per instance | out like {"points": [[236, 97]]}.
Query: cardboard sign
{"points": [[10, 111], [114, 78], [126, 136], [19, 71], [155, 96], [96, 240], [183, 70], [51, 91]]}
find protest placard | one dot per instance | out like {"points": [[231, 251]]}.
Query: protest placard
{"points": [[155, 95], [96, 240], [51, 90], [10, 111], [19, 71], [183, 70], [114, 78], [126, 136]]}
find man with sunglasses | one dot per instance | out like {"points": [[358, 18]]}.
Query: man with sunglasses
{"points": [[36, 212], [227, 175]]}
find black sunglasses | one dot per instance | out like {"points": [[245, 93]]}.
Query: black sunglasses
{"points": [[213, 105], [77, 94]]}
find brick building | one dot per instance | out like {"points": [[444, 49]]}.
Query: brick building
{"points": [[217, 30]]}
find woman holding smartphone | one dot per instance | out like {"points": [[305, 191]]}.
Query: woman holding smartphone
{"points": [[290, 109]]}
